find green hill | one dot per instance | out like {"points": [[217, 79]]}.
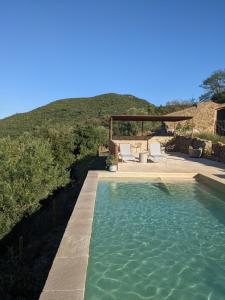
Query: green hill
{"points": [[72, 111]]}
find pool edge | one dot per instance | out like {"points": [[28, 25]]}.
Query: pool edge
{"points": [[67, 276]]}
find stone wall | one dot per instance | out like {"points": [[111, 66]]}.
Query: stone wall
{"points": [[182, 144], [218, 150], [204, 116], [214, 151]]}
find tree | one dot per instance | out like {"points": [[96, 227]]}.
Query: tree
{"points": [[61, 139], [214, 86], [87, 140]]}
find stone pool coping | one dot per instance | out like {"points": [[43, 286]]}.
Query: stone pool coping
{"points": [[67, 277]]}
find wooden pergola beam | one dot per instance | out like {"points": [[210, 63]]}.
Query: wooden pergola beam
{"points": [[159, 118]]}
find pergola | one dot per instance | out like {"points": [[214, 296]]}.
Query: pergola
{"points": [[144, 118]]}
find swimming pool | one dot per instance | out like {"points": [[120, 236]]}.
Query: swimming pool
{"points": [[156, 240]]}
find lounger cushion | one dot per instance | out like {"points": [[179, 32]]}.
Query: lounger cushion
{"points": [[155, 152], [125, 149], [125, 152], [155, 149]]}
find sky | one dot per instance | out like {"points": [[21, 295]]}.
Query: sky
{"points": [[158, 50]]}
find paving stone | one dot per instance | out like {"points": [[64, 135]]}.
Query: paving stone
{"points": [[67, 274], [76, 228], [62, 295], [90, 185], [74, 246], [85, 202], [82, 213]]}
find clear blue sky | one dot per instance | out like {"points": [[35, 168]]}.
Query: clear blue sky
{"points": [[155, 49]]}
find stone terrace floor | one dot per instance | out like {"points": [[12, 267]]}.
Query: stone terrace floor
{"points": [[178, 163]]}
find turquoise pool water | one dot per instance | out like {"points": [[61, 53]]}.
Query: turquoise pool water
{"points": [[155, 240]]}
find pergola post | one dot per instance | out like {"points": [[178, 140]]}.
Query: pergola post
{"points": [[192, 133], [142, 128], [110, 128], [174, 128]]}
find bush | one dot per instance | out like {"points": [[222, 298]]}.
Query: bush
{"points": [[111, 160], [29, 173], [61, 139], [87, 140]]}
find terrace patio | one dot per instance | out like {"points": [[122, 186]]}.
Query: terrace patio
{"points": [[177, 163], [174, 163]]}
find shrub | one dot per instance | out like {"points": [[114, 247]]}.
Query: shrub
{"points": [[61, 139], [111, 160], [87, 140]]}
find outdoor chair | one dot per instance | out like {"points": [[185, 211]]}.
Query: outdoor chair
{"points": [[155, 153], [125, 152]]}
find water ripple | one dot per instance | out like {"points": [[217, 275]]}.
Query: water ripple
{"points": [[158, 242]]}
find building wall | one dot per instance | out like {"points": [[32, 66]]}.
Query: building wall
{"points": [[204, 116]]}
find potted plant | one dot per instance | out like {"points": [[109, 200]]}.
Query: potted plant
{"points": [[111, 163]]}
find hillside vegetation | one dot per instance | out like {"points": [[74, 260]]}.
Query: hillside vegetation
{"points": [[74, 111]]}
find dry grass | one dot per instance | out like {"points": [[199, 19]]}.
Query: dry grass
{"points": [[210, 137]]}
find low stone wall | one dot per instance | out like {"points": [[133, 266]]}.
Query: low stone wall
{"points": [[218, 150], [214, 151]]}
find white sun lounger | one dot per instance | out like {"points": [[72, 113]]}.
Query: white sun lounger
{"points": [[125, 152], [155, 152]]}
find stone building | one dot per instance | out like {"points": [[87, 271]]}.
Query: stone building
{"points": [[207, 117]]}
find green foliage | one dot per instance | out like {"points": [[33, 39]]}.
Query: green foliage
{"points": [[126, 128], [61, 140], [29, 173], [176, 105], [215, 87], [72, 112], [87, 140], [93, 111], [219, 98], [111, 160]]}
